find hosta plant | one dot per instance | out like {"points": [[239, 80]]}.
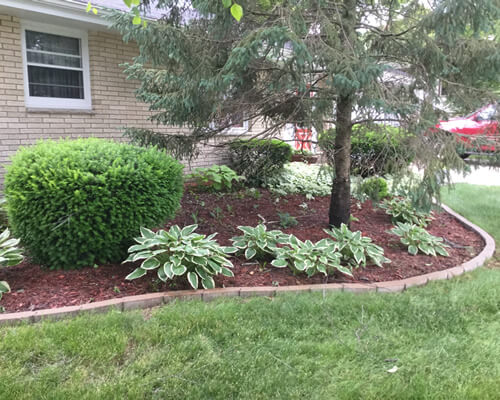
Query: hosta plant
{"points": [[417, 239], [355, 248], [401, 210], [311, 258], [10, 255], [179, 252], [259, 243], [296, 177]]}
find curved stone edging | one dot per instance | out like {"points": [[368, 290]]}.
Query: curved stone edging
{"points": [[156, 299]]}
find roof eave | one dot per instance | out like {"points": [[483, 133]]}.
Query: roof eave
{"points": [[66, 9]]}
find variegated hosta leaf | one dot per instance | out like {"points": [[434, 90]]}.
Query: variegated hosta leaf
{"points": [[137, 273], [150, 263], [4, 287], [208, 283], [226, 272], [193, 280], [250, 253], [147, 233], [179, 270], [168, 270], [279, 263], [10, 254]]}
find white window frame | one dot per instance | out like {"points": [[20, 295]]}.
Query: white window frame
{"points": [[55, 102], [233, 130], [237, 130]]}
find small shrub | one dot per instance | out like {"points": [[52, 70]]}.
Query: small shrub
{"points": [[75, 203], [402, 210], [375, 150], [259, 243], [300, 178], [311, 258], [355, 248], [287, 220], [374, 188], [10, 255], [417, 239], [259, 159], [216, 177], [180, 252]]}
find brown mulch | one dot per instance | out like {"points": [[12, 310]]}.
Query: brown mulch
{"points": [[34, 287]]}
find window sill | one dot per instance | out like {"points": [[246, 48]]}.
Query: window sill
{"points": [[59, 110]]}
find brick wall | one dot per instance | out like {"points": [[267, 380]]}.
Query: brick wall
{"points": [[113, 102]]}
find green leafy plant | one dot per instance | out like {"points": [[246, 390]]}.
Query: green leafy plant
{"points": [[194, 217], [217, 214], [179, 252], [355, 248], [76, 203], [311, 258], [301, 178], [216, 177], [374, 188], [259, 159], [259, 243], [287, 220], [402, 210], [10, 255], [417, 239]]}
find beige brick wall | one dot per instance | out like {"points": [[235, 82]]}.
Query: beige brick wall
{"points": [[113, 102]]}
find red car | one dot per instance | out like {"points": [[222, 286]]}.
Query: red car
{"points": [[477, 132]]}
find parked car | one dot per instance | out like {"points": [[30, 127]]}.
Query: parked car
{"points": [[477, 132]]}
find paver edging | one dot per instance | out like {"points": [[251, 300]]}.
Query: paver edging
{"points": [[153, 299]]}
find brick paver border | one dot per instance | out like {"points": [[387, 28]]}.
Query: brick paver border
{"points": [[155, 299]]}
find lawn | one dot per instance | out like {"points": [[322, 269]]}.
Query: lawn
{"points": [[480, 204], [443, 338]]}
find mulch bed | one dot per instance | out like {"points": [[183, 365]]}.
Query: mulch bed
{"points": [[34, 287]]}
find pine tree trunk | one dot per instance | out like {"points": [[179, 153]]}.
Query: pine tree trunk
{"points": [[340, 201]]}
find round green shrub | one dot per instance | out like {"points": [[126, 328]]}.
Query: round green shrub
{"points": [[259, 159], [375, 188], [75, 203]]}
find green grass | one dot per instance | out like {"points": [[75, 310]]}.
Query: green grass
{"points": [[480, 204], [443, 338]]}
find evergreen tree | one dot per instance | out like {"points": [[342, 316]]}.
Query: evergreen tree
{"points": [[364, 61]]}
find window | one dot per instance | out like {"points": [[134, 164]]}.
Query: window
{"points": [[237, 124], [56, 68]]}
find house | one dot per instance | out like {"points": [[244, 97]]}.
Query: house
{"points": [[60, 76]]}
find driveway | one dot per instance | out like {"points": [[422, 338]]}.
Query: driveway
{"points": [[479, 175]]}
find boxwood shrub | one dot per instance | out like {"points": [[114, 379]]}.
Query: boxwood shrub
{"points": [[75, 203], [259, 159]]}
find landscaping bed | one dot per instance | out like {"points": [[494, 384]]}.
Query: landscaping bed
{"points": [[34, 287]]}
